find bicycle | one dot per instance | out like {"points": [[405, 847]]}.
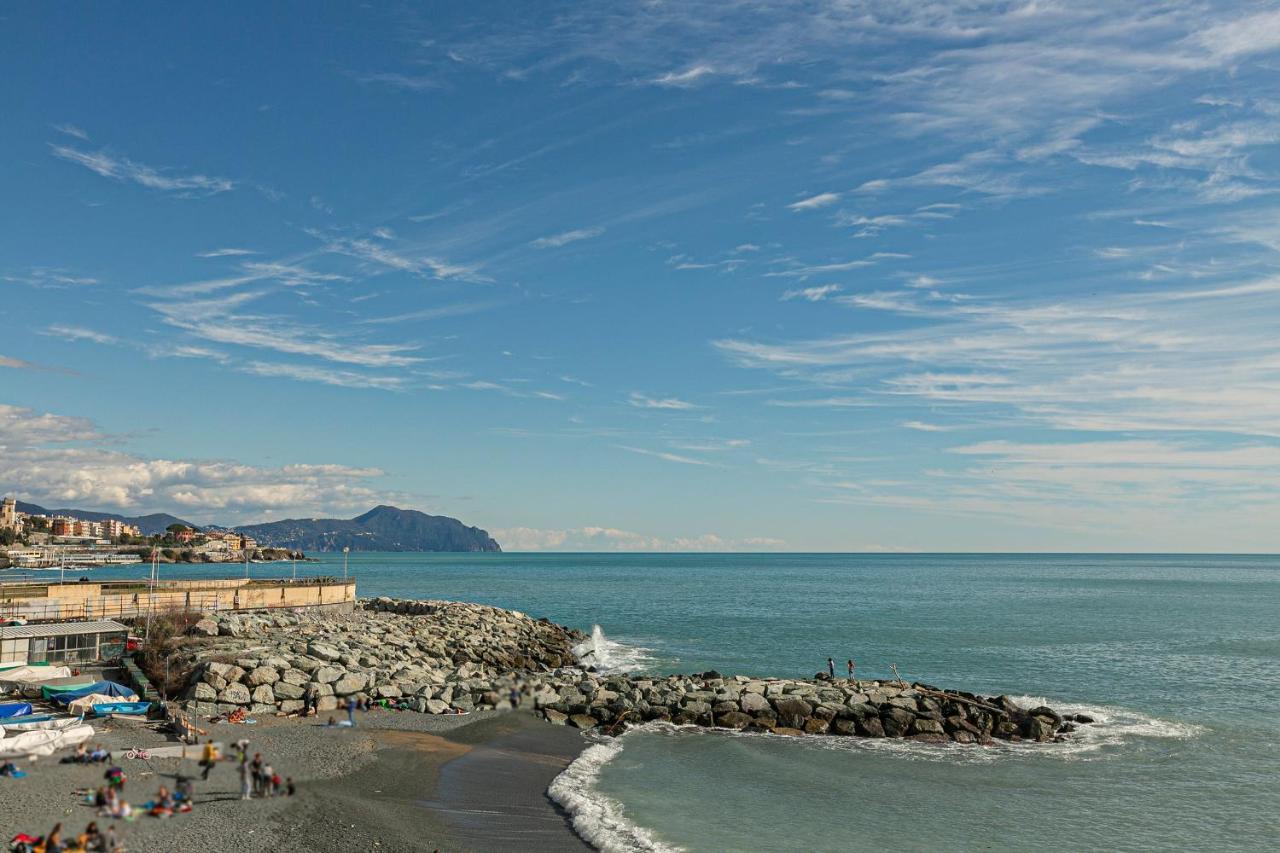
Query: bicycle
{"points": [[136, 753]]}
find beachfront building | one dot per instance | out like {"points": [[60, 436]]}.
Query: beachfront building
{"points": [[65, 642]]}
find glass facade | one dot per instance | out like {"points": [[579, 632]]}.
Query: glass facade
{"points": [[67, 648]]}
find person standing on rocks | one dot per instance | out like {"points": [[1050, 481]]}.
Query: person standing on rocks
{"points": [[831, 667], [311, 701], [851, 665]]}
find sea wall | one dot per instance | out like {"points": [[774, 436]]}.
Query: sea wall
{"points": [[443, 657]]}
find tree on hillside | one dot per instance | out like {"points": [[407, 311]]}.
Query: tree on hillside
{"points": [[176, 528]]}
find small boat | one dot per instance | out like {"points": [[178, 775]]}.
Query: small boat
{"points": [[30, 743], [14, 709], [38, 722], [131, 709]]}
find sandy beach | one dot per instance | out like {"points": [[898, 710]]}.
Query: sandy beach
{"points": [[399, 781]]}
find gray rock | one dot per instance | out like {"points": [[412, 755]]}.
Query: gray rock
{"points": [[351, 682], [753, 702], [324, 651], [263, 675], [235, 694], [204, 628], [582, 721], [328, 674], [286, 690]]}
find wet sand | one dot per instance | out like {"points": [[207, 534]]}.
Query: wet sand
{"points": [[481, 787]]}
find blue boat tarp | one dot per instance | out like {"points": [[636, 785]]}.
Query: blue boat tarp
{"points": [[14, 709], [130, 708], [105, 688]]}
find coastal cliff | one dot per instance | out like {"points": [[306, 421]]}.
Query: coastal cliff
{"points": [[441, 657]]}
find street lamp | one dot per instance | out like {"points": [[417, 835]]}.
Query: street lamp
{"points": [[345, 552]]}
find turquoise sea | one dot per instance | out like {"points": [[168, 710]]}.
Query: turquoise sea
{"points": [[1178, 656]]}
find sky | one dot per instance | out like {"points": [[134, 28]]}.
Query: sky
{"points": [[798, 276]]}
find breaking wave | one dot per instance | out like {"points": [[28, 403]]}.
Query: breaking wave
{"points": [[600, 820], [610, 656]]}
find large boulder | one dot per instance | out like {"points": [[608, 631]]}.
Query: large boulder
{"points": [[896, 721], [328, 674], [204, 628], [753, 702], [235, 694], [263, 675], [324, 651], [351, 682], [791, 712], [286, 690], [582, 721], [264, 695], [733, 720]]}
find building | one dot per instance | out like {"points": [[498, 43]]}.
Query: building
{"points": [[65, 642], [184, 536], [9, 514], [248, 543]]}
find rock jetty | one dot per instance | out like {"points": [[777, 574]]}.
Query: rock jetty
{"points": [[440, 657]]}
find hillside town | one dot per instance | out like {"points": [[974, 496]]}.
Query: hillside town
{"points": [[36, 541]]}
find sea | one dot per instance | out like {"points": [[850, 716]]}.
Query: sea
{"points": [[1177, 657]]}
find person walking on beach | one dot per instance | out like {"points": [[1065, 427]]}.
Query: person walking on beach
{"points": [[831, 667], [311, 701], [246, 779], [351, 709], [207, 759], [850, 664]]}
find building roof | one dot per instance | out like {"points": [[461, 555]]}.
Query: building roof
{"points": [[60, 629]]}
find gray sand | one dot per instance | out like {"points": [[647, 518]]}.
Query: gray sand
{"points": [[400, 781]]}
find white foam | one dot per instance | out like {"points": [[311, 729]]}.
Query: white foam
{"points": [[610, 656], [600, 820]]}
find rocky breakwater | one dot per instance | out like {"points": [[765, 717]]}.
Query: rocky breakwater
{"points": [[823, 705], [428, 656], [441, 657]]}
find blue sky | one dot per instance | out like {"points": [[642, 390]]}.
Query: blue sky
{"points": [[720, 276]]}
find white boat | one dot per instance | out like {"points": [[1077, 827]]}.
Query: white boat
{"points": [[30, 743], [34, 674], [57, 724]]}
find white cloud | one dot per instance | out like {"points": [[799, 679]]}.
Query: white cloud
{"points": [[225, 253], [594, 538], [812, 294], [663, 455], [71, 130], [642, 401], [684, 79], [563, 239], [815, 202], [79, 333], [123, 169], [340, 378], [56, 460]]}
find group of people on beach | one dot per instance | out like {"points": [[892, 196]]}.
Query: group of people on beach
{"points": [[84, 755], [92, 840], [258, 778]]}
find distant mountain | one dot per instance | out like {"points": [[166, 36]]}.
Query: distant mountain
{"points": [[383, 528], [157, 522]]}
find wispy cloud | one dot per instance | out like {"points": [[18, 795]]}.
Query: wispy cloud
{"points": [[340, 378], [225, 253], [642, 401], [812, 294], [563, 239], [71, 130], [663, 455], [684, 79], [79, 333], [123, 169], [381, 255], [410, 82], [815, 202]]}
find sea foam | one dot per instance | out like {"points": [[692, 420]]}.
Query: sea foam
{"points": [[610, 656], [598, 819]]}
